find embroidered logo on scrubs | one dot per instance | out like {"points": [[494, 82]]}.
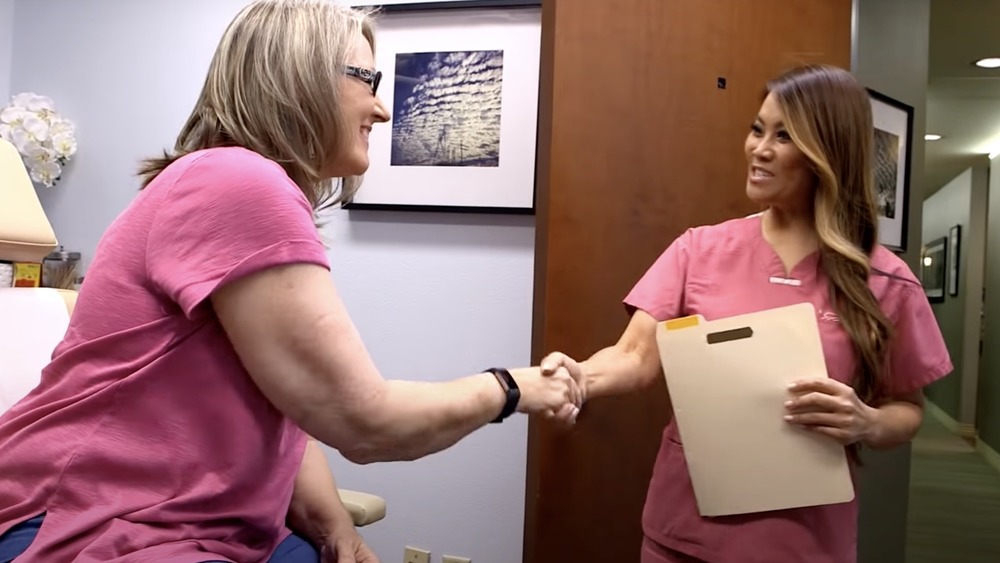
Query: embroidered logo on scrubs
{"points": [[829, 317]]}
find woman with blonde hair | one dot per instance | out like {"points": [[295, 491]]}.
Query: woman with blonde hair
{"points": [[809, 162], [208, 342]]}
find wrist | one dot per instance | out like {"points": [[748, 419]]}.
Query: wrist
{"points": [[331, 525], [591, 384], [871, 435], [510, 389]]}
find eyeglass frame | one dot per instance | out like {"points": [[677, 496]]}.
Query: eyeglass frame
{"points": [[371, 77]]}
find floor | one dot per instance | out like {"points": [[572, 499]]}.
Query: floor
{"points": [[954, 500]]}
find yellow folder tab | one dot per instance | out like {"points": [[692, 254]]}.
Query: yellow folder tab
{"points": [[682, 322]]}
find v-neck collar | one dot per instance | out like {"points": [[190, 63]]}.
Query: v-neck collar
{"points": [[804, 271]]}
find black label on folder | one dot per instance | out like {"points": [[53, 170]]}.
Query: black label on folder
{"points": [[728, 335]]}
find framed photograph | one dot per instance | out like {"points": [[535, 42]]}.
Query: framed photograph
{"points": [[893, 148], [460, 79], [933, 265], [954, 254]]}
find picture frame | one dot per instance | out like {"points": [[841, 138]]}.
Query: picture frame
{"points": [[954, 257], [893, 121], [460, 79], [933, 265]]}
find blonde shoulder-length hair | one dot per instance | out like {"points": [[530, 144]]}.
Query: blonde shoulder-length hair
{"points": [[272, 88]]}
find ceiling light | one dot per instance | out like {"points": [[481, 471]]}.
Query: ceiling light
{"points": [[988, 62], [932, 137]]}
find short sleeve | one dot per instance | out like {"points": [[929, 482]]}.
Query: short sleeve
{"points": [[918, 355], [231, 213], [660, 291]]}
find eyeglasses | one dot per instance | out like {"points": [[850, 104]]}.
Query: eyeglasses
{"points": [[371, 77]]}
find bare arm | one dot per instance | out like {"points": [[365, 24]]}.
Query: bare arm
{"points": [[631, 364], [295, 338], [895, 422], [316, 510]]}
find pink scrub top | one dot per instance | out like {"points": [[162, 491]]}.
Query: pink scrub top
{"points": [[730, 269], [147, 440]]}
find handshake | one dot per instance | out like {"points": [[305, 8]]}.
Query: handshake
{"points": [[556, 388]]}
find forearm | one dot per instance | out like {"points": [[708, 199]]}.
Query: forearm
{"points": [[893, 424], [617, 370], [316, 510], [411, 419]]}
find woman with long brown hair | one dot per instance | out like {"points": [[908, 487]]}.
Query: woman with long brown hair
{"points": [[809, 161]]}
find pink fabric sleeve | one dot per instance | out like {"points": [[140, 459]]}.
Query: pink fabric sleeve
{"points": [[230, 214], [918, 355], [660, 291]]}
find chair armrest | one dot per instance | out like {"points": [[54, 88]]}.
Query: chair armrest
{"points": [[364, 508], [69, 297]]}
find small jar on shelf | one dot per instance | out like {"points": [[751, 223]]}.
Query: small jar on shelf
{"points": [[60, 269]]}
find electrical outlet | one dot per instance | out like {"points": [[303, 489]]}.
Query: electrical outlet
{"points": [[415, 555], [454, 559]]}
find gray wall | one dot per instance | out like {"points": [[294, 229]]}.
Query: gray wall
{"points": [[6, 48], [433, 296], [960, 202], [988, 415], [890, 55]]}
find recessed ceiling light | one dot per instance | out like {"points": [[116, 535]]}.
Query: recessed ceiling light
{"points": [[988, 62], [932, 137]]}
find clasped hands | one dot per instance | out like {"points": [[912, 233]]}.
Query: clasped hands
{"points": [[556, 389], [823, 405]]}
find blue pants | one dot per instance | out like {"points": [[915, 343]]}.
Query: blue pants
{"points": [[16, 541]]}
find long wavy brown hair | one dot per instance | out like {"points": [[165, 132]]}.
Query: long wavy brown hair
{"points": [[272, 88], [828, 116]]}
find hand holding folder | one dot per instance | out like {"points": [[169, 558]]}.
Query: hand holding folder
{"points": [[728, 381]]}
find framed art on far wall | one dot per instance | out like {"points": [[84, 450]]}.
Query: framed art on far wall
{"points": [[460, 81], [933, 265], [893, 152], [954, 254]]}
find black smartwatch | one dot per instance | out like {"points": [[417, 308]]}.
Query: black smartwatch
{"points": [[509, 386]]}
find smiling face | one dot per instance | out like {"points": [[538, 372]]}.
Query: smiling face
{"points": [[779, 173], [361, 109]]}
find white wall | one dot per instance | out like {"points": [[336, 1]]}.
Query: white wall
{"points": [[435, 296], [6, 46]]}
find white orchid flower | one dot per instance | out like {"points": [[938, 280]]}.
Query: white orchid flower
{"points": [[45, 140], [45, 173], [13, 115], [64, 144]]}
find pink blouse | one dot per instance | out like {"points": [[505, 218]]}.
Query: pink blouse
{"points": [[146, 439]]}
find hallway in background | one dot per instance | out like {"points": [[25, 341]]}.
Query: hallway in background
{"points": [[954, 500]]}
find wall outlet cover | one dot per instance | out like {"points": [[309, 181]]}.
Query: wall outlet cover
{"points": [[416, 555], [454, 559]]}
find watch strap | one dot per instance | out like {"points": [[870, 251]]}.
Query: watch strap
{"points": [[513, 394]]}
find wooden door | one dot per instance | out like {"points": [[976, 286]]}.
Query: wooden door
{"points": [[645, 105]]}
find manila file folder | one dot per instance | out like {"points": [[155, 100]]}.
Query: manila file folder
{"points": [[728, 382]]}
